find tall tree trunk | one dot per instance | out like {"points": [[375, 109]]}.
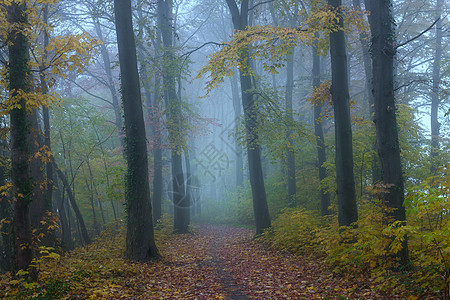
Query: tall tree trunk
{"points": [[260, 208], [347, 210], [174, 116], [320, 140], [19, 76], [292, 189], [140, 241], [383, 52], [435, 100]]}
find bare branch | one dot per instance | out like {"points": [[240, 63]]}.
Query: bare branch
{"points": [[261, 3], [417, 36]]}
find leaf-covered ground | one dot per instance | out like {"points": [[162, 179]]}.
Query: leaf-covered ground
{"points": [[214, 262]]}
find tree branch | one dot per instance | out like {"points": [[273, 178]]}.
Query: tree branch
{"points": [[417, 36], [89, 93], [261, 3]]}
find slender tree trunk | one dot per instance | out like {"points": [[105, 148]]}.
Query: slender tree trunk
{"points": [[49, 238], [435, 100], [320, 140], [292, 189], [152, 97], [174, 116], [187, 161], [91, 200], [140, 241], [79, 216], [19, 76], [383, 52], [347, 210], [260, 208], [237, 119], [66, 234], [110, 84], [95, 191]]}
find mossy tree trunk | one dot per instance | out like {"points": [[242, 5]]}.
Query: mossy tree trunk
{"points": [[19, 77], [382, 25], [140, 241]]}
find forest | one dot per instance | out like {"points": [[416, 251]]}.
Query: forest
{"points": [[224, 149]]}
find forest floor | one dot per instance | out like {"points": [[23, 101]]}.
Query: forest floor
{"points": [[221, 262], [214, 262]]}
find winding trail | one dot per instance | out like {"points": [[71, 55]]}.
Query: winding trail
{"points": [[221, 262]]}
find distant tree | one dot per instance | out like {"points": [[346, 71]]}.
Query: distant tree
{"points": [[382, 27], [174, 117], [140, 241], [318, 132], [435, 91]]}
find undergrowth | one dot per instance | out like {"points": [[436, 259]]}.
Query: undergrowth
{"points": [[96, 271], [367, 248]]}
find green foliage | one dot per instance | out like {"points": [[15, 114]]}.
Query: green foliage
{"points": [[414, 146], [428, 209], [295, 231], [368, 248]]}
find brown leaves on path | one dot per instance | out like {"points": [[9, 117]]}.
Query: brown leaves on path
{"points": [[220, 262], [214, 262]]}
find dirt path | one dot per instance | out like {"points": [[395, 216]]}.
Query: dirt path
{"points": [[219, 262]]}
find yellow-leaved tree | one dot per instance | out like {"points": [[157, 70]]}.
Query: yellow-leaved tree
{"points": [[28, 64]]}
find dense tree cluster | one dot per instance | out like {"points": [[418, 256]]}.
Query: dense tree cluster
{"points": [[141, 110]]}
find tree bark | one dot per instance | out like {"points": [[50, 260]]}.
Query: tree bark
{"points": [[320, 140], [19, 76], [347, 210], [260, 208], [383, 52], [140, 241]]}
